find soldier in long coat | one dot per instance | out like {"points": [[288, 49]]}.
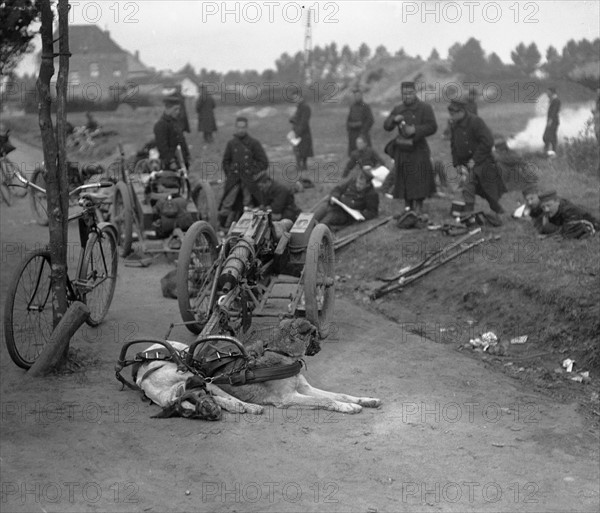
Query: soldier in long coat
{"points": [[359, 122], [471, 142], [168, 133], [205, 107], [244, 161], [301, 127], [413, 171]]}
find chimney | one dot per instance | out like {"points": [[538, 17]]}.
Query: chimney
{"points": [[137, 55]]}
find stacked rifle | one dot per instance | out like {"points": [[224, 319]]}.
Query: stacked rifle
{"points": [[348, 239], [428, 264]]}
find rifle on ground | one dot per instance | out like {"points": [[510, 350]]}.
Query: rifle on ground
{"points": [[348, 239], [408, 275]]}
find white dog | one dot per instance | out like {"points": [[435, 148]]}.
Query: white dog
{"points": [[184, 393]]}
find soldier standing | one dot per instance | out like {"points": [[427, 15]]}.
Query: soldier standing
{"points": [[244, 161], [359, 122], [413, 170], [471, 142], [205, 107], [168, 133], [550, 134], [301, 127]]}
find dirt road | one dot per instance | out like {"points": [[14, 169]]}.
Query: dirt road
{"points": [[451, 435]]}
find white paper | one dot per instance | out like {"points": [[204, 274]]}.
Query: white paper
{"points": [[356, 215], [294, 141], [379, 175]]}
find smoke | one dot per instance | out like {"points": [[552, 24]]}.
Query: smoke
{"points": [[572, 122]]}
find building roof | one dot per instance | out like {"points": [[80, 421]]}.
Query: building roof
{"points": [[90, 38]]}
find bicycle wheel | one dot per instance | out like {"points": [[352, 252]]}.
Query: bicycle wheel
{"points": [[38, 200], [5, 194], [98, 276], [18, 190], [122, 217], [195, 273], [5, 180], [28, 315]]}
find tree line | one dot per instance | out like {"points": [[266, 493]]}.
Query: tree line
{"points": [[468, 59]]}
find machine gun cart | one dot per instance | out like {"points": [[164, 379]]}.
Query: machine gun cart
{"points": [[135, 217], [261, 269]]}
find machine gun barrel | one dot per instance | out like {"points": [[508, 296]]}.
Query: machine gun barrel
{"points": [[235, 265]]}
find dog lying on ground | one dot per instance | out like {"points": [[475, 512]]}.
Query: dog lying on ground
{"points": [[186, 394]]}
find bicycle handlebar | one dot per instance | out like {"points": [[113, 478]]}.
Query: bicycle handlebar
{"points": [[75, 191]]}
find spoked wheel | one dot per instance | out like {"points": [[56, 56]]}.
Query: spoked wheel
{"points": [[195, 274], [99, 274], [16, 188], [38, 200], [5, 193], [206, 203], [122, 217], [319, 279], [28, 316]]}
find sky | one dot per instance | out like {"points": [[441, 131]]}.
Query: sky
{"points": [[225, 36]]}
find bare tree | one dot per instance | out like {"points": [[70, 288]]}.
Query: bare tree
{"points": [[54, 146]]}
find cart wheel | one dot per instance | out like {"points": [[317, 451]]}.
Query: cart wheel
{"points": [[206, 203], [140, 169], [319, 282], [195, 274], [38, 200], [122, 217]]}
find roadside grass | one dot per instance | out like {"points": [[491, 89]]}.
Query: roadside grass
{"points": [[520, 284]]}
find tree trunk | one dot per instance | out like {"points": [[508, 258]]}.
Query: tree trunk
{"points": [[55, 155], [55, 350]]}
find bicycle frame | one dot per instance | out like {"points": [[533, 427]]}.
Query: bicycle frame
{"points": [[88, 223]]}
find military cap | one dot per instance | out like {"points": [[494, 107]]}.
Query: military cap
{"points": [[552, 89], [407, 85], [172, 99], [241, 119], [457, 104], [548, 196], [531, 189], [356, 89]]}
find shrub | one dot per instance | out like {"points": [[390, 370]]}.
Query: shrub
{"points": [[581, 152]]}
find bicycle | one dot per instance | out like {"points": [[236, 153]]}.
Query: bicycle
{"points": [[28, 313], [78, 175], [8, 187]]}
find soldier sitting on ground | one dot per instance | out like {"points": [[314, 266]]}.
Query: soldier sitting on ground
{"points": [[562, 216], [357, 193], [362, 156]]}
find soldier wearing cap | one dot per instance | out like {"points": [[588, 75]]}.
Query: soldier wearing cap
{"points": [[301, 126], [243, 162], [413, 170], [471, 142], [168, 134], [360, 120], [355, 192], [534, 206], [560, 215]]}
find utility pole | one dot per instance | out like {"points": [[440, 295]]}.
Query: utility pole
{"points": [[308, 72]]}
